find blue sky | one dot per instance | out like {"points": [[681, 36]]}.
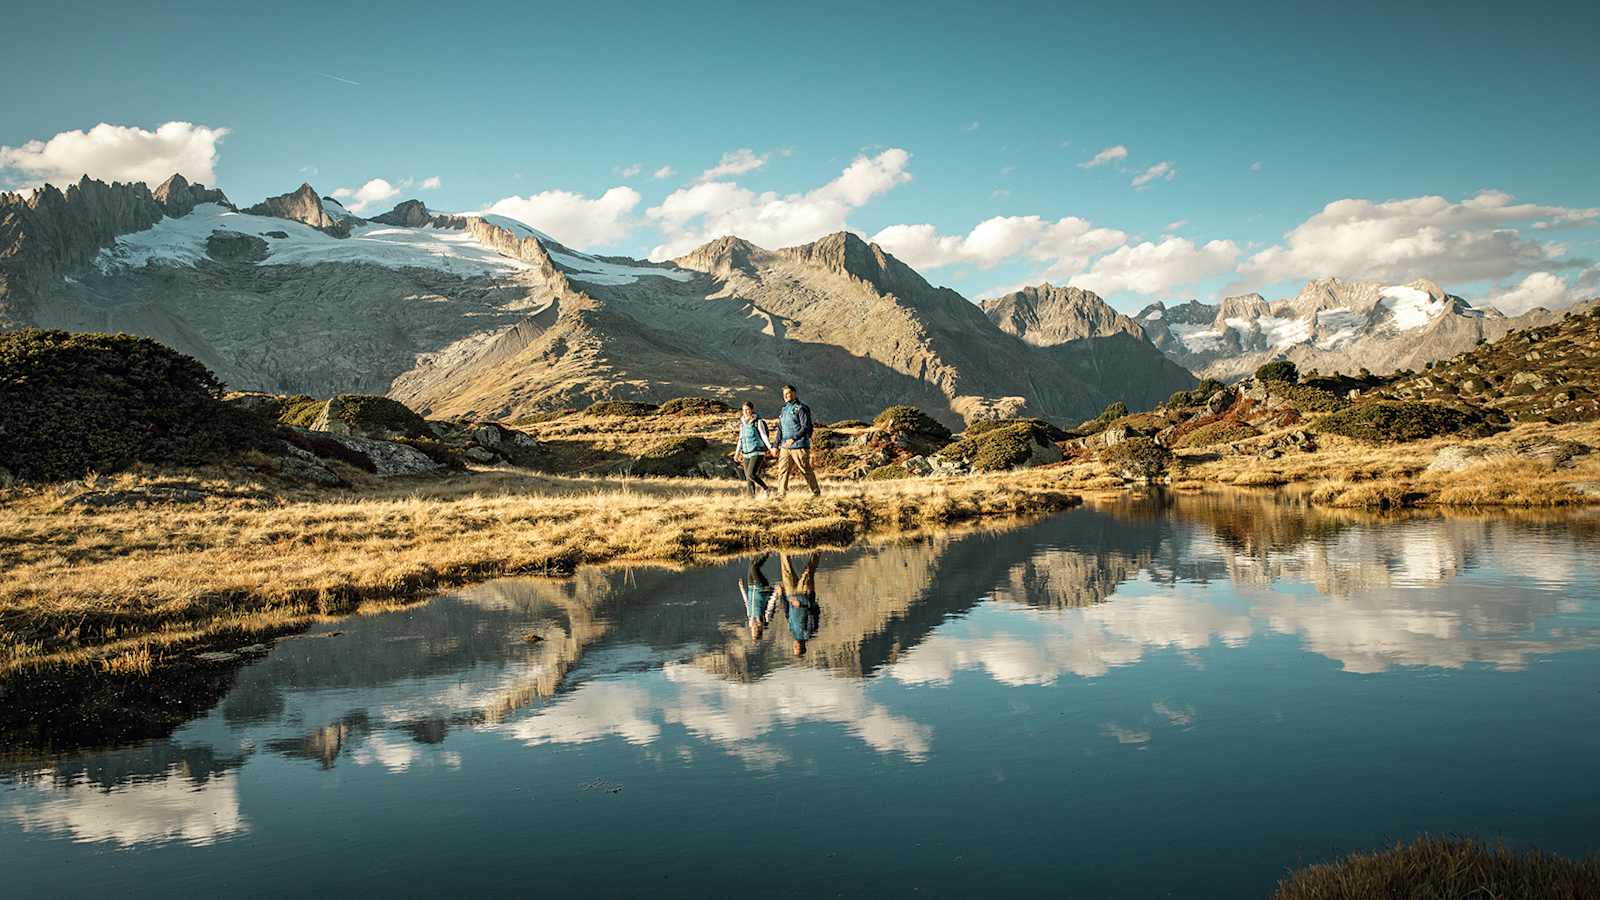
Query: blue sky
{"points": [[959, 114]]}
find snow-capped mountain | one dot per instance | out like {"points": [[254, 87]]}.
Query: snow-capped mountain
{"points": [[477, 314], [1331, 325]]}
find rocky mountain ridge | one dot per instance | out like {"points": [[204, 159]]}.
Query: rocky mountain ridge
{"points": [[1331, 325], [1046, 315], [476, 314]]}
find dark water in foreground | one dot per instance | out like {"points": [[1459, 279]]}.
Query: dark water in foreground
{"points": [[1161, 698]]}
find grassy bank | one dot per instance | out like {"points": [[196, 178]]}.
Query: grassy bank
{"points": [[1441, 867], [111, 586]]}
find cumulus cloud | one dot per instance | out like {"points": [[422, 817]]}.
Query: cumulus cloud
{"points": [[116, 153], [734, 162], [630, 171], [1067, 244], [1153, 268], [375, 191], [378, 190], [1547, 290], [1105, 157], [1161, 171], [691, 216], [572, 218], [664, 172], [1398, 240]]}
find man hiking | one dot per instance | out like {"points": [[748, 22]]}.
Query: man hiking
{"points": [[794, 443]]}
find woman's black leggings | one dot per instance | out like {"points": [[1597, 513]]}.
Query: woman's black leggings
{"points": [[753, 464]]}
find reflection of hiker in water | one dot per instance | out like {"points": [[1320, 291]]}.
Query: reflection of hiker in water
{"points": [[760, 600], [800, 600]]}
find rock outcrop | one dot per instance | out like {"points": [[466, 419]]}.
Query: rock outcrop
{"points": [[305, 206], [179, 197]]}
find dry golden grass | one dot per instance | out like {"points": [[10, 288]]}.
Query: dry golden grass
{"points": [[93, 584]]}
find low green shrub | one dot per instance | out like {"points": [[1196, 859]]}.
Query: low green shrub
{"points": [[848, 423], [1140, 457], [1051, 432], [1395, 421], [1431, 867], [1308, 398], [1195, 396], [997, 449], [300, 410], [1278, 370], [620, 408], [371, 414], [72, 403], [910, 420], [694, 406], [890, 472]]}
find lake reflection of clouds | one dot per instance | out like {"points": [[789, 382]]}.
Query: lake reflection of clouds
{"points": [[735, 715], [142, 811]]}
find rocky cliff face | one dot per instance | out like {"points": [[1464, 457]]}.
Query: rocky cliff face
{"points": [[1331, 325], [305, 206], [1046, 315], [53, 234]]}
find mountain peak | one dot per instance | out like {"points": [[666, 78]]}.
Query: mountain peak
{"points": [[722, 256], [1047, 314], [302, 205], [179, 196]]}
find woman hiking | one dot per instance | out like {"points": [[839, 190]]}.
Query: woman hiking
{"points": [[752, 448]]}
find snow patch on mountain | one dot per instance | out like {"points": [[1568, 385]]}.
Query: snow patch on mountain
{"points": [[583, 267], [182, 242], [1410, 307]]}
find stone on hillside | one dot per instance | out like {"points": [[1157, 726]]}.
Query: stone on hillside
{"points": [[377, 418], [389, 458], [299, 465], [1114, 435], [918, 465], [231, 246], [480, 455]]}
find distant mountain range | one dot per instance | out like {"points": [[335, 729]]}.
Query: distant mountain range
{"points": [[480, 315], [1331, 325]]}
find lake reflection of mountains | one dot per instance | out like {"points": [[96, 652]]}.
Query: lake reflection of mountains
{"points": [[633, 654]]}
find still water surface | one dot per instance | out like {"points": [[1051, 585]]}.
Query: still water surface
{"points": [[1153, 698]]}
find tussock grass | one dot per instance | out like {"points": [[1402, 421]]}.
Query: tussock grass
{"points": [[91, 583], [1430, 868]]}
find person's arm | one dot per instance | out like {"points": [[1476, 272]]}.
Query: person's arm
{"points": [[805, 421], [761, 429], [741, 591]]}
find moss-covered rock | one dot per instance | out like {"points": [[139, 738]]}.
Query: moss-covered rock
{"points": [[1138, 458], [72, 403], [369, 416], [1009, 446], [906, 419], [300, 410], [694, 406], [677, 456], [620, 408], [1391, 421]]}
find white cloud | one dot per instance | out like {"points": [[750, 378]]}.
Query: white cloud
{"points": [[574, 219], [375, 191], [1151, 268], [1174, 226], [691, 216], [734, 162], [1544, 289], [1398, 240], [664, 172], [116, 153], [971, 126], [630, 171], [378, 190], [1160, 171], [1108, 155], [1067, 244], [1255, 167]]}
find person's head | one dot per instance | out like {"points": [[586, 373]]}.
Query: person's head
{"points": [[799, 648], [748, 410], [790, 394]]}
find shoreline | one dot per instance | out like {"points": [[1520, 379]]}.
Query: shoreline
{"points": [[115, 588]]}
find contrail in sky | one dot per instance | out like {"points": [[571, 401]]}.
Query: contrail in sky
{"points": [[337, 78]]}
